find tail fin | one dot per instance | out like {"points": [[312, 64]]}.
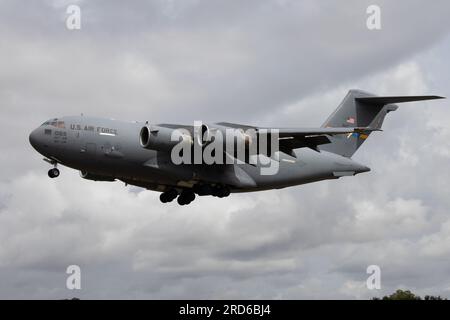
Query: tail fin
{"points": [[361, 109]]}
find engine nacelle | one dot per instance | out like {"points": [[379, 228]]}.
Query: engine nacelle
{"points": [[203, 135], [245, 139], [160, 138], [95, 177], [238, 137]]}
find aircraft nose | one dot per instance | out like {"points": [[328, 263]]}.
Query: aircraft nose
{"points": [[34, 139]]}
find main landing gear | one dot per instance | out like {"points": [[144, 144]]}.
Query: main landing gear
{"points": [[168, 196], [186, 196], [219, 191]]}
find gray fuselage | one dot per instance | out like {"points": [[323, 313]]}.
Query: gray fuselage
{"points": [[106, 149]]}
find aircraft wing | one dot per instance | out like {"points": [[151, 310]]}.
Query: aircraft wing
{"points": [[301, 132], [304, 132], [290, 139], [294, 138]]}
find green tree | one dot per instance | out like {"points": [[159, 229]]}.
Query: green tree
{"points": [[402, 295], [408, 295]]}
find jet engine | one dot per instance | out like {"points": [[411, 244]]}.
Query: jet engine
{"points": [[164, 139], [203, 136]]}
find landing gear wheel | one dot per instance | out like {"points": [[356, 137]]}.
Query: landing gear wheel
{"points": [[53, 173], [181, 201], [163, 198], [221, 191], [185, 197], [225, 192], [191, 196], [168, 196]]}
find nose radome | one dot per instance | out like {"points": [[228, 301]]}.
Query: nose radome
{"points": [[34, 139]]}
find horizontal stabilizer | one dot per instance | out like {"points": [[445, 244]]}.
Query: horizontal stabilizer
{"points": [[381, 101]]}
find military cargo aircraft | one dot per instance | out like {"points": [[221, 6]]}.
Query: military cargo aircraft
{"points": [[142, 154]]}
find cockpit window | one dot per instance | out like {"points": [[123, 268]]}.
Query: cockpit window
{"points": [[54, 123]]}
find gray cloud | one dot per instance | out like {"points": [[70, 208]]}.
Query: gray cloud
{"points": [[286, 63]]}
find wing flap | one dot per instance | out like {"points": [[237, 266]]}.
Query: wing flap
{"points": [[306, 132], [288, 145], [295, 138]]}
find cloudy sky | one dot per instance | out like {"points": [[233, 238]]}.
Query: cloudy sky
{"points": [[264, 62]]}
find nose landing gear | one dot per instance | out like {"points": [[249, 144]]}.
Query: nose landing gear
{"points": [[54, 172]]}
